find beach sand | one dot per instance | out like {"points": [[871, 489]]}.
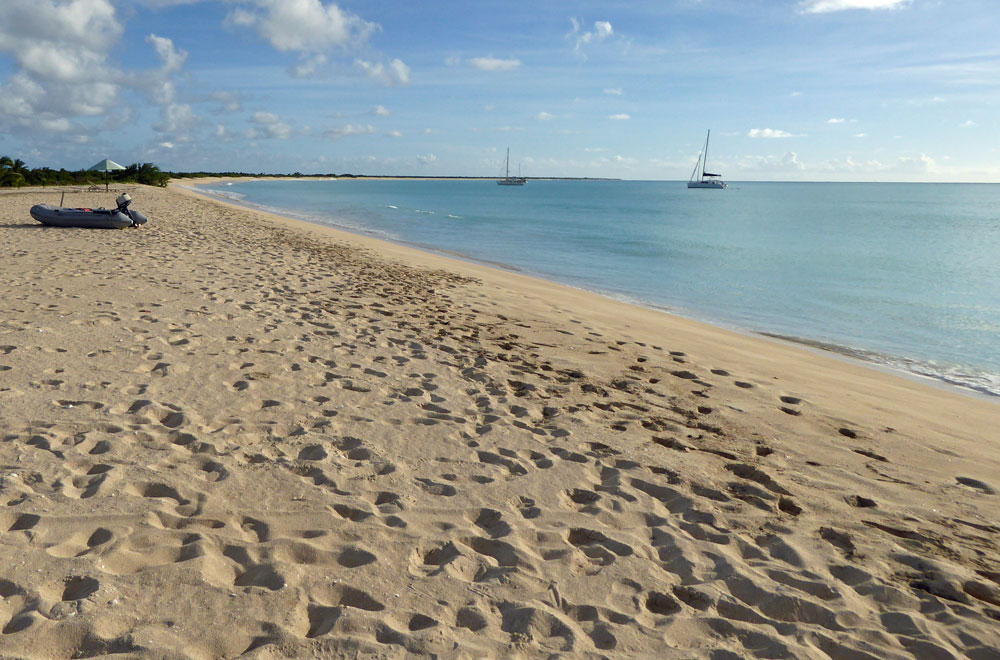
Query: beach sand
{"points": [[227, 434]]}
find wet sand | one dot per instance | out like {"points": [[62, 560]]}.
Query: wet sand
{"points": [[228, 434]]}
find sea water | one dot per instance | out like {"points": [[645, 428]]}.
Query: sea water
{"points": [[905, 275]]}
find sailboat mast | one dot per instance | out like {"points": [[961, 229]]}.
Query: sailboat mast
{"points": [[507, 165], [704, 163]]}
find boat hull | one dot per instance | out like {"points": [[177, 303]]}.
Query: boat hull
{"points": [[718, 185], [59, 216]]}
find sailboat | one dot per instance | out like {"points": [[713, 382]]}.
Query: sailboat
{"points": [[702, 179], [507, 179]]}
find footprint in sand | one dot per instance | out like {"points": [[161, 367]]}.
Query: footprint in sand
{"points": [[977, 484]]}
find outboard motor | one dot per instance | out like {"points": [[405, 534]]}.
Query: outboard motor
{"points": [[137, 218]]}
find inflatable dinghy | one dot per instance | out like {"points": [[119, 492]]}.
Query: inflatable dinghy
{"points": [[60, 216]]}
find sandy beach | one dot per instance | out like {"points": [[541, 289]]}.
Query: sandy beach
{"points": [[229, 434]]}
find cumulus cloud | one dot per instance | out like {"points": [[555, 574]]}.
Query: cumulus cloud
{"points": [[544, 116], [426, 159], [269, 125], [613, 91], [381, 111], [395, 73], [619, 117], [55, 41], [769, 133], [308, 65], [305, 26], [787, 162], [58, 59], [836, 120], [826, 6], [348, 129], [968, 123], [173, 59], [583, 38], [178, 121], [494, 64], [228, 101], [314, 29], [160, 4], [920, 164]]}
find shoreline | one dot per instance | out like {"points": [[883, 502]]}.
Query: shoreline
{"points": [[873, 359], [229, 432]]}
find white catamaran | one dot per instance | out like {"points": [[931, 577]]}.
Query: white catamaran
{"points": [[702, 179], [509, 180]]}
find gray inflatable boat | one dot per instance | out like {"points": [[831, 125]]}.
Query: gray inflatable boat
{"points": [[61, 216]]}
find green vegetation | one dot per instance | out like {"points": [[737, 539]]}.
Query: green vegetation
{"points": [[14, 174]]}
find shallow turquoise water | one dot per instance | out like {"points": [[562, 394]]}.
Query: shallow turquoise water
{"points": [[907, 275]]}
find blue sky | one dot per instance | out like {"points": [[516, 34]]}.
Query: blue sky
{"points": [[841, 90]]}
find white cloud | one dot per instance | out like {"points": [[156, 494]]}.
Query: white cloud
{"points": [[613, 91], [268, 124], [314, 30], [396, 73], [381, 111], [58, 59], [178, 120], [826, 6], [173, 59], [619, 117], [860, 135], [921, 164], [769, 133], [160, 4], [56, 41], [602, 31], [427, 159], [836, 120], [788, 162], [167, 145], [349, 129], [228, 101], [494, 64], [308, 66], [544, 116], [968, 123], [305, 26], [394, 134]]}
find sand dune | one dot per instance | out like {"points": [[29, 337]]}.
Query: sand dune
{"points": [[227, 435]]}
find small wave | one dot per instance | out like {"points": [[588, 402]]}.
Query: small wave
{"points": [[457, 217], [961, 376], [426, 212], [224, 194], [390, 206]]}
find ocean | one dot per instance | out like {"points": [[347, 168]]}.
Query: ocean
{"points": [[903, 275]]}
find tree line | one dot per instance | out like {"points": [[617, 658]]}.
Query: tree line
{"points": [[14, 174]]}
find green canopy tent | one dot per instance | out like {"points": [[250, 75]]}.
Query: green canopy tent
{"points": [[105, 166]]}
